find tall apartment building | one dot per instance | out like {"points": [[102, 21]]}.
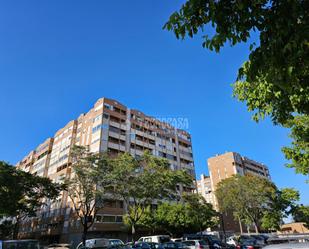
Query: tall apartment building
{"points": [[203, 187], [228, 164], [108, 126]]}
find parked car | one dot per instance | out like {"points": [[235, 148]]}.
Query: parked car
{"points": [[141, 245], [154, 245], [156, 239], [173, 245], [19, 244], [176, 239], [259, 239], [115, 243], [232, 240], [195, 244], [98, 243], [213, 241], [247, 242]]}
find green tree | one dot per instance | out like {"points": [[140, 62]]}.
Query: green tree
{"points": [[23, 194], [6, 228], [191, 214], [139, 182], [298, 152], [202, 213], [274, 81], [87, 185], [174, 218], [146, 221], [301, 214], [280, 205], [255, 200]]}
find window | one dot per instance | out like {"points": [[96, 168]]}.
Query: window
{"points": [[98, 218], [171, 157], [96, 140], [97, 118], [162, 154], [96, 128], [119, 219], [108, 219], [162, 146], [110, 203], [117, 130], [108, 106]]}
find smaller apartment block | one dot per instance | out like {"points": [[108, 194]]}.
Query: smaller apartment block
{"points": [[203, 187], [226, 165], [231, 163]]}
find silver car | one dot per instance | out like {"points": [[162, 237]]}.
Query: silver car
{"points": [[195, 244]]}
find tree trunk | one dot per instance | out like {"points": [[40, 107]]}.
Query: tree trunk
{"points": [[240, 226], [85, 233], [16, 228], [133, 233], [256, 228]]}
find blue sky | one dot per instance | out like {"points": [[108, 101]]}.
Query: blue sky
{"points": [[58, 57]]}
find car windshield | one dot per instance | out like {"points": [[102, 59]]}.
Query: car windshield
{"points": [[212, 237], [173, 245], [258, 237], [115, 242], [141, 245], [164, 239], [249, 242], [21, 245], [189, 243]]}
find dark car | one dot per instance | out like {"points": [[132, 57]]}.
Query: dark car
{"points": [[248, 242], [154, 245], [215, 243], [173, 245], [260, 239], [141, 245], [19, 244]]}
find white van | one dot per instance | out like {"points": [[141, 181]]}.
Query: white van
{"points": [[99, 243], [156, 239]]}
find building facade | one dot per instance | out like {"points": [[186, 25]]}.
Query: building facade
{"points": [[203, 187], [109, 126], [226, 165]]}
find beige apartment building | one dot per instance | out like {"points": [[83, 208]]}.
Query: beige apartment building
{"points": [[108, 126], [203, 187], [226, 165]]}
